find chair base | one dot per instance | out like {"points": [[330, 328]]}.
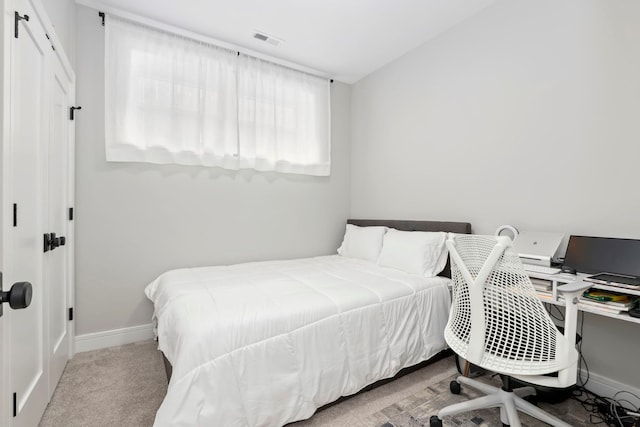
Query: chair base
{"points": [[509, 402], [546, 393]]}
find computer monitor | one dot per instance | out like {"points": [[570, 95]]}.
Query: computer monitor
{"points": [[603, 255]]}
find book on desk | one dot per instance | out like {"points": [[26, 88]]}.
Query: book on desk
{"points": [[613, 302]]}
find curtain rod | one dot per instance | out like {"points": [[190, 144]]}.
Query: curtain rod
{"points": [[102, 9]]}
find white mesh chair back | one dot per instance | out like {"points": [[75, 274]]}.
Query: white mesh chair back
{"points": [[496, 320]]}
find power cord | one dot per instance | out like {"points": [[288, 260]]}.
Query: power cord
{"points": [[603, 410], [613, 412], [558, 315], [581, 360]]}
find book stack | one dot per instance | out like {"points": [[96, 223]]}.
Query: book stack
{"points": [[608, 301], [543, 288]]}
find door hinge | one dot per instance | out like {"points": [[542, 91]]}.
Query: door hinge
{"points": [[72, 110], [15, 214], [70, 214], [70, 313], [101, 15], [15, 405], [19, 18], [49, 38]]}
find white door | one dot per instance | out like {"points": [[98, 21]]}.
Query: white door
{"points": [[56, 274], [38, 88], [29, 376]]}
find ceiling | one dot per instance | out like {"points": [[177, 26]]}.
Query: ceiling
{"points": [[343, 39]]}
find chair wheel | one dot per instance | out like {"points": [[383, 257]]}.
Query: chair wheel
{"points": [[532, 398], [454, 386], [434, 421]]}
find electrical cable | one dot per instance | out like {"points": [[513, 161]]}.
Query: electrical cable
{"points": [[581, 360], [560, 313], [603, 410], [613, 412], [559, 316]]}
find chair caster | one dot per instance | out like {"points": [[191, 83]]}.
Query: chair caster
{"points": [[533, 399], [434, 421], [454, 386]]}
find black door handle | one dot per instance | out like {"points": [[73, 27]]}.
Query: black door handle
{"points": [[19, 296], [51, 241], [55, 241]]}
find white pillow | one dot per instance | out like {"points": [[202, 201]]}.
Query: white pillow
{"points": [[415, 252], [362, 242]]}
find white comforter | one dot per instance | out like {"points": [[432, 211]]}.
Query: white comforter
{"points": [[267, 343]]}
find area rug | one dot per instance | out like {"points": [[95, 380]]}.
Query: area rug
{"points": [[124, 386]]}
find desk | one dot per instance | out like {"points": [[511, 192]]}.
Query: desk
{"points": [[563, 278]]}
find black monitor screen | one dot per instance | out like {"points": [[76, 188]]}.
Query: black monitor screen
{"points": [[603, 255]]}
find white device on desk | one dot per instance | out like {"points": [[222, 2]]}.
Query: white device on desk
{"points": [[536, 249], [532, 268]]}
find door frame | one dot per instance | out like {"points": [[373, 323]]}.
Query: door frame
{"points": [[5, 90], [70, 244], [61, 64], [71, 194], [71, 177]]}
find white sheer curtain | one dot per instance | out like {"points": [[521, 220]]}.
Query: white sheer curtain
{"points": [[283, 118], [168, 99], [171, 99]]}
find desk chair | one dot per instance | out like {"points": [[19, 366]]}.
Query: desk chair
{"points": [[498, 323]]}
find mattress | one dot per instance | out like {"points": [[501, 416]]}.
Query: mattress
{"points": [[267, 343]]}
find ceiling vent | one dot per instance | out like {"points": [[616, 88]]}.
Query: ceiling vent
{"points": [[273, 41]]}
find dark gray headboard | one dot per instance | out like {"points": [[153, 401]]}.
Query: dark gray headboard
{"points": [[453, 227]]}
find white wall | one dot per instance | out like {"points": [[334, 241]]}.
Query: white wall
{"points": [[135, 221], [523, 115], [62, 14]]}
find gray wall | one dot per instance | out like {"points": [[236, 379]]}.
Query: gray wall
{"points": [[135, 221], [522, 115], [62, 14], [529, 111]]}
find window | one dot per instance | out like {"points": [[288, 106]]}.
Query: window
{"points": [[170, 99]]}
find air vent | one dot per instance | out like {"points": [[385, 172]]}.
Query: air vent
{"points": [[261, 37], [274, 41]]}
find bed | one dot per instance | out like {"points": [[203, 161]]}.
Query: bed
{"points": [[268, 343]]}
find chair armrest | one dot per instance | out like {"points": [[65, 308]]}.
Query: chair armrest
{"points": [[572, 292], [578, 286]]}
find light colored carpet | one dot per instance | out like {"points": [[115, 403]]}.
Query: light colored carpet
{"points": [[118, 386], [124, 386]]}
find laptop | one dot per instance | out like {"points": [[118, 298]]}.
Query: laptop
{"points": [[619, 280], [536, 247]]}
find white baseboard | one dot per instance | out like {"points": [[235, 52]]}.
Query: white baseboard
{"points": [[113, 338], [607, 387]]}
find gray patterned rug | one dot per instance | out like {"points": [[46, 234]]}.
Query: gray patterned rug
{"points": [[415, 410]]}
